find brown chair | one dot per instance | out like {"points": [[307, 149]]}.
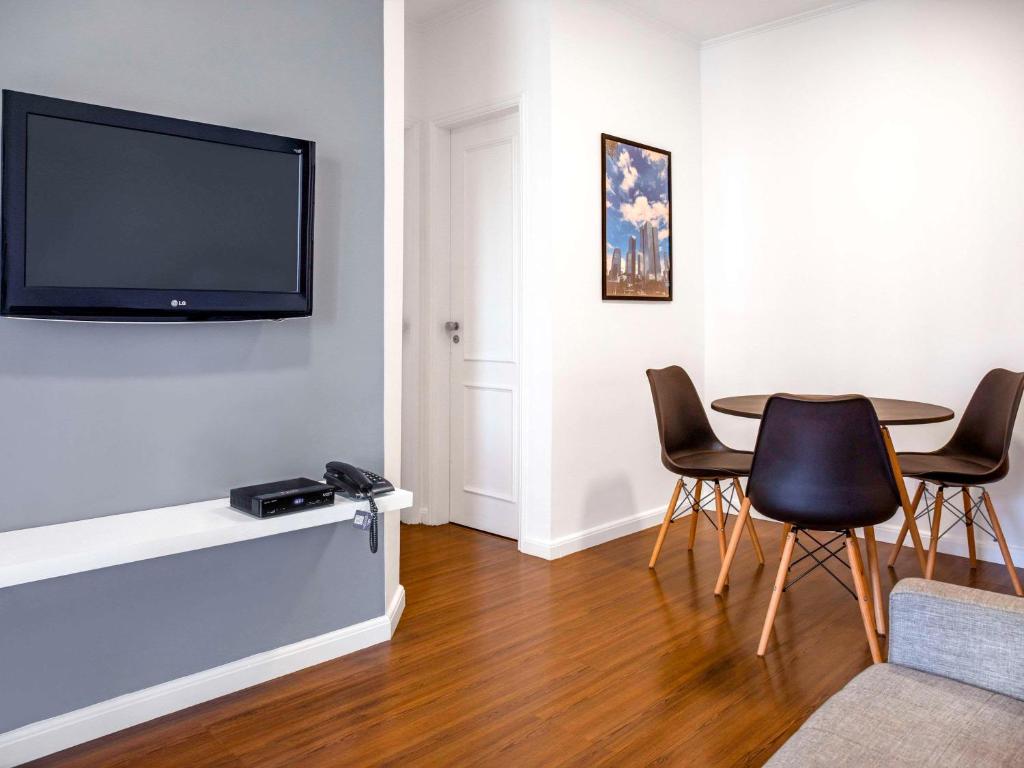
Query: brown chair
{"points": [[690, 449], [976, 455], [820, 465]]}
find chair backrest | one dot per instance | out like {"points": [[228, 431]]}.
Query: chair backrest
{"points": [[682, 422], [986, 428], [821, 463]]}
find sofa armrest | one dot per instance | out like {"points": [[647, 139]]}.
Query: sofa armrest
{"points": [[964, 634]]}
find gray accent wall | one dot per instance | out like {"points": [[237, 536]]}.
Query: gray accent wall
{"points": [[70, 642], [99, 419]]}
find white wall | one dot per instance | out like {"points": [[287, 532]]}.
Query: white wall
{"points": [[393, 21], [846, 212], [584, 68], [616, 72], [480, 56], [412, 361], [864, 211], [139, 416]]}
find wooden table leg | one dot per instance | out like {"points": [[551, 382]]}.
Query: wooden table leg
{"points": [[908, 509], [898, 546], [876, 579]]}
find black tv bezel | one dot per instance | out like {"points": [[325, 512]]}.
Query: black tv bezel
{"points": [[132, 304]]}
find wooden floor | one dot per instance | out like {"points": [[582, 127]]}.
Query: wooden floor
{"points": [[508, 660]]}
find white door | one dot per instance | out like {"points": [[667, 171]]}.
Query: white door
{"points": [[484, 348]]}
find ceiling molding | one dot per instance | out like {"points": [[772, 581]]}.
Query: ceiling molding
{"points": [[629, 8], [440, 19], [799, 18], [632, 9]]}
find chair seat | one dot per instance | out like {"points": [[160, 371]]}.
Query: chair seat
{"points": [[892, 715], [950, 468], [711, 465]]}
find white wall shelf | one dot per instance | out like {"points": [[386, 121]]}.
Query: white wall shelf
{"points": [[34, 554]]}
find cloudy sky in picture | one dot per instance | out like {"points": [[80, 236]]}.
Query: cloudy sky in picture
{"points": [[635, 191]]}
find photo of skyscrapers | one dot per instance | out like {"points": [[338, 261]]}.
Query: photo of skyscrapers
{"points": [[636, 262]]}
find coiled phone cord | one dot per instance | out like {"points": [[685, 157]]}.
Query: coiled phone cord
{"points": [[373, 525]]}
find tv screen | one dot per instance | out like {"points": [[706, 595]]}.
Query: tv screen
{"points": [[109, 214]]}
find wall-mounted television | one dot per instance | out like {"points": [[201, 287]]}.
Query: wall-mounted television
{"points": [[116, 215]]}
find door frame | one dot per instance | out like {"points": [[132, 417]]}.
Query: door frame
{"points": [[434, 449], [414, 474]]}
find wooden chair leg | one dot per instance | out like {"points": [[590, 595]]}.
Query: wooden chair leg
{"points": [[786, 528], [754, 539], [734, 542], [720, 519], [758, 552], [863, 600], [876, 579], [898, 546], [998, 531], [780, 583], [695, 516], [969, 522], [665, 523], [933, 545]]}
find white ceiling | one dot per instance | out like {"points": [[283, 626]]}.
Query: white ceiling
{"points": [[699, 19]]}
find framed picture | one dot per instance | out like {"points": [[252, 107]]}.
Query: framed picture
{"points": [[636, 221]]}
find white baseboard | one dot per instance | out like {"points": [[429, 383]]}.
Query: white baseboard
{"points": [[63, 731], [420, 516], [395, 610], [953, 543], [565, 545], [415, 516]]}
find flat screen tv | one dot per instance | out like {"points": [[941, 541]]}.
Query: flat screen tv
{"points": [[116, 215]]}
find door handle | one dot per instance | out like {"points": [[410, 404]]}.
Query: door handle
{"points": [[451, 326]]}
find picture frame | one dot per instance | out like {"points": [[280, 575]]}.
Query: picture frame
{"points": [[636, 221]]}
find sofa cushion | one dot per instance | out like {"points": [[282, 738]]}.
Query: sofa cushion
{"points": [[891, 715], [957, 632]]}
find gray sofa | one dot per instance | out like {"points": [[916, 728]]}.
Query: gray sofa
{"points": [[952, 693]]}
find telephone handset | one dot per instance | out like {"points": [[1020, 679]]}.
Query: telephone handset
{"points": [[359, 484], [356, 482]]}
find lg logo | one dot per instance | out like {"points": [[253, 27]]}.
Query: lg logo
{"points": [[179, 303]]}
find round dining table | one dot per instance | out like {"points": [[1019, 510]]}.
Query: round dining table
{"points": [[890, 413]]}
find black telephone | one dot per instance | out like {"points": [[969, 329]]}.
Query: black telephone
{"points": [[355, 482], [359, 484]]}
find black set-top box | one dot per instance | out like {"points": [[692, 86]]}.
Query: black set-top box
{"points": [[272, 499]]}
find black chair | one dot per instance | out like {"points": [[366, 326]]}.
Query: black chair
{"points": [[690, 449], [820, 465], [976, 455]]}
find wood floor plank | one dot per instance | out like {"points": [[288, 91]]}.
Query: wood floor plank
{"points": [[507, 660]]}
